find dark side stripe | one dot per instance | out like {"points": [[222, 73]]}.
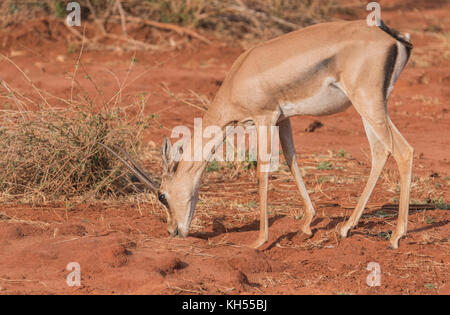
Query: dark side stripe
{"points": [[389, 68]]}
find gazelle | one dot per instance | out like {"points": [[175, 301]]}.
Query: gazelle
{"points": [[319, 70]]}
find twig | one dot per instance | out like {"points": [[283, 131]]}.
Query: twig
{"points": [[134, 41], [182, 290], [104, 33], [171, 94], [24, 280], [108, 11], [122, 17], [15, 220], [252, 13], [74, 239], [19, 106], [73, 31], [99, 23], [171, 27], [26, 77], [83, 37]]}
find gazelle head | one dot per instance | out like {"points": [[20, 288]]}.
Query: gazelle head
{"points": [[178, 191]]}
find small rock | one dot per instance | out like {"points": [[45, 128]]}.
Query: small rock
{"points": [[152, 144], [61, 58], [423, 79], [40, 66], [17, 53]]}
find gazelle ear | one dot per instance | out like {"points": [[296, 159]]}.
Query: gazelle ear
{"points": [[166, 154]]}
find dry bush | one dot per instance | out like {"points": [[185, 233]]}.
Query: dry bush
{"points": [[238, 19], [52, 153], [255, 19]]}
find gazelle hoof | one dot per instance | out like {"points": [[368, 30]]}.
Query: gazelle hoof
{"points": [[307, 230], [345, 232], [394, 241]]}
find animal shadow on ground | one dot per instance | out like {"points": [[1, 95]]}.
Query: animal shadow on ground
{"points": [[431, 226], [288, 236], [219, 228]]}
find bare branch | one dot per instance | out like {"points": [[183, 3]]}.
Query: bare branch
{"points": [[170, 27]]}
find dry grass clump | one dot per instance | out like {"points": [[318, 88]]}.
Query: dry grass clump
{"points": [[53, 154]]}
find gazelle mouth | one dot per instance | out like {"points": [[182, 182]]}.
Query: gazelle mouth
{"points": [[175, 231]]}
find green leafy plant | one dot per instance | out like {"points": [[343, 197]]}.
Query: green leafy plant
{"points": [[325, 166], [441, 204], [213, 166], [429, 286], [60, 9], [342, 153]]}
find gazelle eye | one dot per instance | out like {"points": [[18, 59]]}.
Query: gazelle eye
{"points": [[162, 198]]}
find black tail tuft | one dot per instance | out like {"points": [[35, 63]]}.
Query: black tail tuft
{"points": [[395, 34]]}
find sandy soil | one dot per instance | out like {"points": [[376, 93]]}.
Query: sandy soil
{"points": [[124, 248]]}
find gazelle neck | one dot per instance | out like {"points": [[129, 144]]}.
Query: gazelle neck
{"points": [[192, 168]]}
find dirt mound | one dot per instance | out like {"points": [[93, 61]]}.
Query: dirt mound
{"points": [[17, 231], [72, 229], [167, 264], [250, 261], [114, 255]]}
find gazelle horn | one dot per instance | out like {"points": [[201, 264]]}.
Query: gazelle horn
{"points": [[134, 167]]}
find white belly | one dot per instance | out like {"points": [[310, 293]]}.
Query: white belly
{"points": [[330, 99]]}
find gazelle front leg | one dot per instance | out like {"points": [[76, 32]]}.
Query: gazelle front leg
{"points": [[263, 181], [287, 143], [265, 134]]}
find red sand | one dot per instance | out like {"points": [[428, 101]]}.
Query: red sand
{"points": [[124, 249]]}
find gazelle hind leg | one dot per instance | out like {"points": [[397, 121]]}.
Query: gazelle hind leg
{"points": [[376, 117], [404, 156], [287, 143], [379, 157]]}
